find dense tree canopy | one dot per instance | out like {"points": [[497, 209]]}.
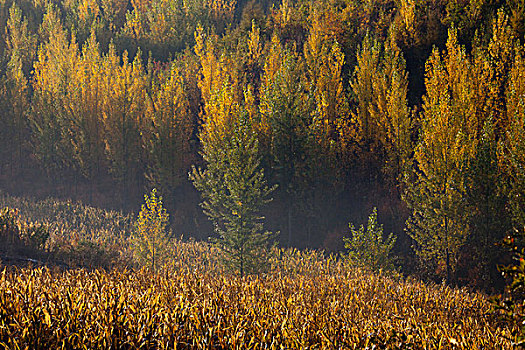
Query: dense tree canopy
{"points": [[415, 107]]}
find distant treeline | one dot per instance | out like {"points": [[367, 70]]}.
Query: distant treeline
{"points": [[417, 107]]}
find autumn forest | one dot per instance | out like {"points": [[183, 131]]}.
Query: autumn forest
{"points": [[414, 107]]}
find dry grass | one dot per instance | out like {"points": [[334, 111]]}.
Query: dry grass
{"points": [[79, 235], [305, 301]]}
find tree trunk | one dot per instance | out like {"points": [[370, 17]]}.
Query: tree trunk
{"points": [[447, 252], [289, 223], [448, 267], [153, 259]]}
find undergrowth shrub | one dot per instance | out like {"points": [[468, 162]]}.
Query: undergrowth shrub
{"points": [[150, 238], [17, 234], [369, 247]]}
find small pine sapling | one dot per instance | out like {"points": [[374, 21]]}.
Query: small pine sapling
{"points": [[368, 247]]}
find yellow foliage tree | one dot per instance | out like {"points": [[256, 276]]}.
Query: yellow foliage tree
{"points": [[51, 123], [84, 104], [389, 109], [366, 70], [167, 138], [380, 88], [151, 237], [331, 118], [285, 109], [435, 194], [513, 153], [124, 105], [220, 90], [20, 51], [499, 60]]}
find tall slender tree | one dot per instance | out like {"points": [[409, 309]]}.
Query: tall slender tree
{"points": [[513, 150], [330, 119], [84, 104], [286, 107], [167, 138], [389, 109], [487, 201], [436, 193], [20, 52], [50, 121], [124, 107]]}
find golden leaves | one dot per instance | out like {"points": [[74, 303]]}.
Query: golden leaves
{"points": [[307, 302]]}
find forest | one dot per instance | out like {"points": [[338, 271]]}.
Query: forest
{"points": [[414, 107]]}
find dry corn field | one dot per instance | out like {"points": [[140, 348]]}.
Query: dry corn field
{"points": [[305, 301]]}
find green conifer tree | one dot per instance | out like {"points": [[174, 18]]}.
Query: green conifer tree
{"points": [[369, 247], [234, 190]]}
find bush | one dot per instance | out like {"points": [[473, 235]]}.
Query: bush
{"points": [[150, 238], [368, 248]]}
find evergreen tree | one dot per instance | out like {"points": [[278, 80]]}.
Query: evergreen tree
{"points": [[234, 191], [369, 247]]}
